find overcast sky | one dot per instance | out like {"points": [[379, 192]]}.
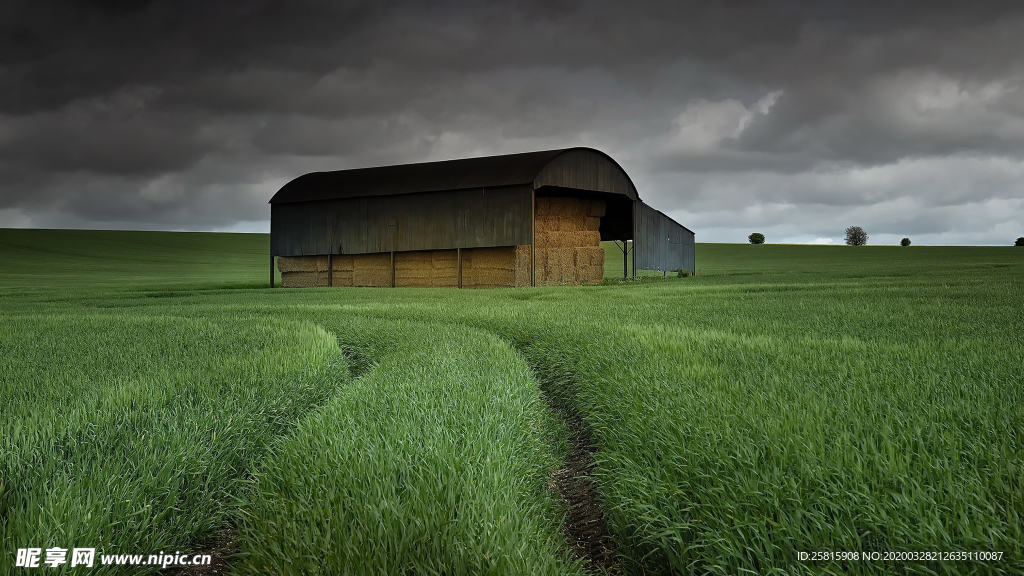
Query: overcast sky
{"points": [[795, 119]]}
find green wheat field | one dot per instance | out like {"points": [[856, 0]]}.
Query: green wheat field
{"points": [[154, 393]]}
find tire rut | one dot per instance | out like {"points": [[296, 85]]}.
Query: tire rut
{"points": [[585, 525]]}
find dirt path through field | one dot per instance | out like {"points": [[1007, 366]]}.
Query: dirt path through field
{"points": [[220, 549], [585, 527]]}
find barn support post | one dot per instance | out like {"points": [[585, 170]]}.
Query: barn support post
{"points": [[330, 270], [458, 256], [271, 270], [625, 259], [635, 218], [392, 268], [633, 249], [533, 239]]}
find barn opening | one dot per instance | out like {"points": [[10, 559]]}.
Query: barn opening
{"points": [[530, 219]]}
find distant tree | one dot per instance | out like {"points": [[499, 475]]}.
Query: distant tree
{"points": [[756, 238], [1019, 242], [856, 236], [905, 242]]}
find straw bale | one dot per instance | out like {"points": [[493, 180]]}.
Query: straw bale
{"points": [[426, 268], [545, 224], [522, 265], [303, 279], [572, 224], [371, 269], [445, 280], [502, 258], [371, 277], [589, 274], [445, 259], [496, 267], [413, 260], [568, 239], [296, 264], [590, 256], [342, 263], [375, 261], [342, 278], [488, 277], [559, 265], [597, 208], [569, 207], [542, 207], [592, 223], [413, 281], [560, 258]]}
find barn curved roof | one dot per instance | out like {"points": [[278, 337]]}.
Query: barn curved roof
{"points": [[580, 168]]}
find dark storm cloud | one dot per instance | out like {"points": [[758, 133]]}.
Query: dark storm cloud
{"points": [[190, 114]]}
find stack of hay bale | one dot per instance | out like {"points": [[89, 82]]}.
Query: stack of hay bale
{"points": [[499, 267], [303, 271], [371, 270], [348, 270], [427, 269], [569, 241]]}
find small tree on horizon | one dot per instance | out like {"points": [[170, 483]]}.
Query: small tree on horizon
{"points": [[1019, 242], [856, 236], [905, 242], [756, 238]]}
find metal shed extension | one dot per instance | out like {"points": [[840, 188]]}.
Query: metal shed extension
{"points": [[659, 242]]}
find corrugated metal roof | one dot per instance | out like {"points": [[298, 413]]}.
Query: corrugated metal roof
{"points": [[462, 174]]}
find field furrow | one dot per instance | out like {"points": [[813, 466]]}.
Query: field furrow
{"points": [[435, 461], [114, 439]]}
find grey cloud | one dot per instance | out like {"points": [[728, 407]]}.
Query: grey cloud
{"points": [[189, 114]]}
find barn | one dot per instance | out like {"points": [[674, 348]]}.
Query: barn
{"points": [[529, 219]]}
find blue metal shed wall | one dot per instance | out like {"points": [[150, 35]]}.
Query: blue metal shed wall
{"points": [[659, 242], [425, 221]]}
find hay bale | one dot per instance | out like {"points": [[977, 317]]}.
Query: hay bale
{"points": [[296, 264], [590, 256], [502, 266], [342, 263], [341, 278], [445, 281], [559, 265], [572, 224], [523, 277], [502, 258], [541, 207], [426, 269], [589, 274], [413, 260], [568, 239], [372, 278], [597, 208], [413, 269], [303, 279], [445, 260], [489, 277], [371, 269], [592, 223], [444, 269], [568, 207]]}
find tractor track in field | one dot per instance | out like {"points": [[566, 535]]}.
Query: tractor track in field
{"points": [[224, 545], [221, 548], [585, 525]]}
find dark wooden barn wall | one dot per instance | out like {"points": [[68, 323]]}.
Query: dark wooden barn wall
{"points": [[424, 221], [659, 242]]}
